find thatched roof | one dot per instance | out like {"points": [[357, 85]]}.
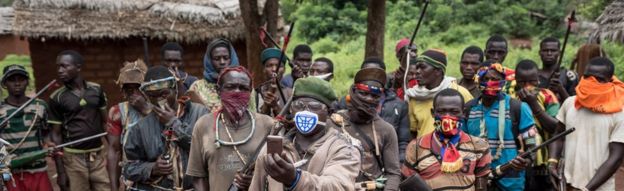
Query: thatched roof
{"points": [[6, 20], [179, 20], [610, 23]]}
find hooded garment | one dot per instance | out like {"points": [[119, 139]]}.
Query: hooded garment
{"points": [[210, 74]]}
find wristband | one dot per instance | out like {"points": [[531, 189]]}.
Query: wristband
{"points": [[552, 160], [294, 182]]}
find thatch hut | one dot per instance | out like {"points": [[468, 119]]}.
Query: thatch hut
{"points": [[610, 24], [109, 32], [11, 44]]}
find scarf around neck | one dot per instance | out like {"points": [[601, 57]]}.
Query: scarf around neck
{"points": [[422, 93], [600, 97]]}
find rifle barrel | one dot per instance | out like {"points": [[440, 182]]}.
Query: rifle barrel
{"points": [[422, 15], [547, 142]]}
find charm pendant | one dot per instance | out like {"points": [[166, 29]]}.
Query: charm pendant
{"points": [[83, 102]]}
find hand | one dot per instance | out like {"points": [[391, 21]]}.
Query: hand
{"points": [[62, 181], [555, 84], [520, 163], [527, 96], [270, 95], [280, 168], [164, 115], [139, 103], [162, 167], [554, 171], [242, 181]]}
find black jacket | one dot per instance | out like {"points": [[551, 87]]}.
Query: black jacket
{"points": [[393, 111]]}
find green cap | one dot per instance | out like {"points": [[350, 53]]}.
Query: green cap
{"points": [[316, 88]]}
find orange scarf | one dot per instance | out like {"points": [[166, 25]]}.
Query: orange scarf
{"points": [[600, 97]]}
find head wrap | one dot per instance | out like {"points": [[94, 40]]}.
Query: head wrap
{"points": [[314, 88], [371, 74], [271, 53], [435, 58], [402, 43], [132, 73], [210, 73], [600, 97]]}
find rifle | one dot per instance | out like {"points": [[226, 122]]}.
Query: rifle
{"points": [[29, 157], [286, 40], [251, 162], [562, 180], [571, 20], [499, 171], [408, 50], [45, 88], [414, 183]]}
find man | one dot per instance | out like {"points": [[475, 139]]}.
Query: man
{"points": [[322, 68], [172, 58], [26, 131], [471, 59], [220, 54], [236, 130], [559, 80], [78, 110], [302, 58], [508, 132], [124, 115], [315, 155], [595, 150], [430, 68], [496, 48], [268, 99], [391, 109], [395, 79], [157, 146], [544, 106], [377, 138], [448, 158]]}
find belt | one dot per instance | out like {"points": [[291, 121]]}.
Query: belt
{"points": [[82, 151]]}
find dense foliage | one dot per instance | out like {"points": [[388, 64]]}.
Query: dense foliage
{"points": [[337, 29]]}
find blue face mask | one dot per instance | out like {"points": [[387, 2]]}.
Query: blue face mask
{"points": [[306, 121]]}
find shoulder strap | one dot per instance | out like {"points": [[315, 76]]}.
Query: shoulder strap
{"points": [[371, 144], [514, 113]]}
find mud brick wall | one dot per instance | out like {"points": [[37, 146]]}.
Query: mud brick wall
{"points": [[104, 58]]}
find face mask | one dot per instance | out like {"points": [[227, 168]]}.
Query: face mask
{"points": [[412, 83], [492, 88], [448, 125], [235, 104], [529, 87], [306, 122], [323, 76]]}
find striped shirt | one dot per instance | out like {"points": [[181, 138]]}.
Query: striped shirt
{"points": [[17, 130]]}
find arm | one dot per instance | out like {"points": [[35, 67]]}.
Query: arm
{"points": [[339, 172], [403, 133], [391, 161], [113, 157], [200, 184], [548, 123], [608, 168], [411, 157], [57, 139]]}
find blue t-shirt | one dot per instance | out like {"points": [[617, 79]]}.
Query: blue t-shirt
{"points": [[513, 180], [288, 81]]}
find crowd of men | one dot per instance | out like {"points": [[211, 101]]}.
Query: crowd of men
{"points": [[415, 126]]}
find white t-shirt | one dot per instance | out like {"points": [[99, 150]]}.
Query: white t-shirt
{"points": [[588, 147]]}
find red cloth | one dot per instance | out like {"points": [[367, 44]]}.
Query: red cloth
{"points": [[113, 122], [26, 181]]}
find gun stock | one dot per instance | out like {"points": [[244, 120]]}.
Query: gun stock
{"points": [[500, 170]]}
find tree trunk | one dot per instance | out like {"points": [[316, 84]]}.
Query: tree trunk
{"points": [[271, 14], [251, 19], [376, 28]]}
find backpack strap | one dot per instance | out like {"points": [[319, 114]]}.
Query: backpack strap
{"points": [[469, 106]]}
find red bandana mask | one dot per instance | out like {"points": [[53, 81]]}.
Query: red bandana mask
{"points": [[234, 104], [492, 88]]}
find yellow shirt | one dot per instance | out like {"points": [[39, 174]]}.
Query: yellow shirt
{"points": [[421, 120]]}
